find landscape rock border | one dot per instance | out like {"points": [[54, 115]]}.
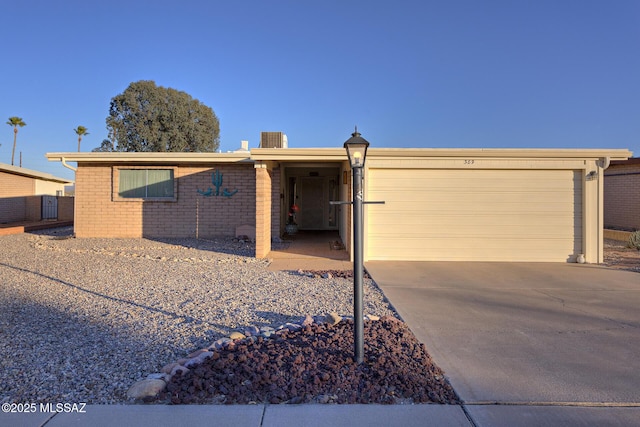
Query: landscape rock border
{"points": [[150, 387], [306, 362]]}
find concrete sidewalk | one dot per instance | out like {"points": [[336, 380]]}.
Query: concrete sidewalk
{"points": [[328, 415], [247, 416]]}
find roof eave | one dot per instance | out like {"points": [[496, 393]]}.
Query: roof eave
{"points": [[16, 170], [150, 158], [533, 153], [337, 155], [299, 154]]}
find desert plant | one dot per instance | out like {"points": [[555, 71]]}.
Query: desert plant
{"points": [[634, 240]]}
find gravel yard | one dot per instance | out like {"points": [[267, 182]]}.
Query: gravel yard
{"points": [[83, 319], [620, 256]]}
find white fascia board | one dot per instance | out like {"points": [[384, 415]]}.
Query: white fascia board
{"points": [[524, 153], [150, 158]]}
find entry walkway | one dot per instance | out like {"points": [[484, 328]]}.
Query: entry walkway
{"points": [[310, 250]]}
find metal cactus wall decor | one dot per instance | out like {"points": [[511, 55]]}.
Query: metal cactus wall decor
{"points": [[207, 193], [216, 179]]}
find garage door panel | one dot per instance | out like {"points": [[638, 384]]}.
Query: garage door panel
{"points": [[477, 243], [469, 179], [481, 203], [489, 215], [523, 250], [515, 208], [495, 255], [437, 220], [546, 231], [440, 213], [427, 196]]}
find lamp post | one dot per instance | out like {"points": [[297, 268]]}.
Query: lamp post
{"points": [[356, 147]]}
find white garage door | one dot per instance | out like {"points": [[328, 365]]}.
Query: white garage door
{"points": [[474, 215]]}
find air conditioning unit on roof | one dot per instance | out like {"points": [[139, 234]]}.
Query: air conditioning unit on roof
{"points": [[273, 140]]}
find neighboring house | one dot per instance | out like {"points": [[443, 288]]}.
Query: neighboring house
{"points": [[622, 195], [28, 195], [440, 204]]}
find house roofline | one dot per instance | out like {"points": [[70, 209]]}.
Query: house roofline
{"points": [[149, 158], [630, 161], [539, 153], [299, 154], [336, 155], [16, 170]]}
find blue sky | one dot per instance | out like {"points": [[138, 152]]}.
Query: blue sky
{"points": [[454, 73]]}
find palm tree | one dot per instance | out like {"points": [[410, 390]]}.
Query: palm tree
{"points": [[15, 122], [81, 131]]}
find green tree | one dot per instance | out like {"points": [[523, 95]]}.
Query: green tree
{"points": [[15, 122], [81, 131], [146, 117], [106, 146]]}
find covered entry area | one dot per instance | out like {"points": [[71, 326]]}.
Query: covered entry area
{"points": [[308, 189], [294, 188]]}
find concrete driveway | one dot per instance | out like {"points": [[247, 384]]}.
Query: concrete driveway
{"points": [[534, 334]]}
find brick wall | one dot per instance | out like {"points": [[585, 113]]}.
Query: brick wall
{"points": [[93, 216], [12, 209], [13, 204], [33, 208], [622, 196], [100, 213], [263, 210], [15, 185], [65, 208]]}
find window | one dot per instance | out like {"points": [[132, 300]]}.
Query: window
{"points": [[146, 183]]}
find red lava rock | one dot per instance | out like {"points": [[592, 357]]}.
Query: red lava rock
{"points": [[316, 365]]}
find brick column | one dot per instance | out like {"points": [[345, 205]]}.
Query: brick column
{"points": [[263, 210]]}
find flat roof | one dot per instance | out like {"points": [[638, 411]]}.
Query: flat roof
{"points": [[335, 155], [149, 157], [16, 170], [630, 161]]}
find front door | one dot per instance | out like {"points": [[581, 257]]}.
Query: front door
{"points": [[312, 200], [313, 195]]}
